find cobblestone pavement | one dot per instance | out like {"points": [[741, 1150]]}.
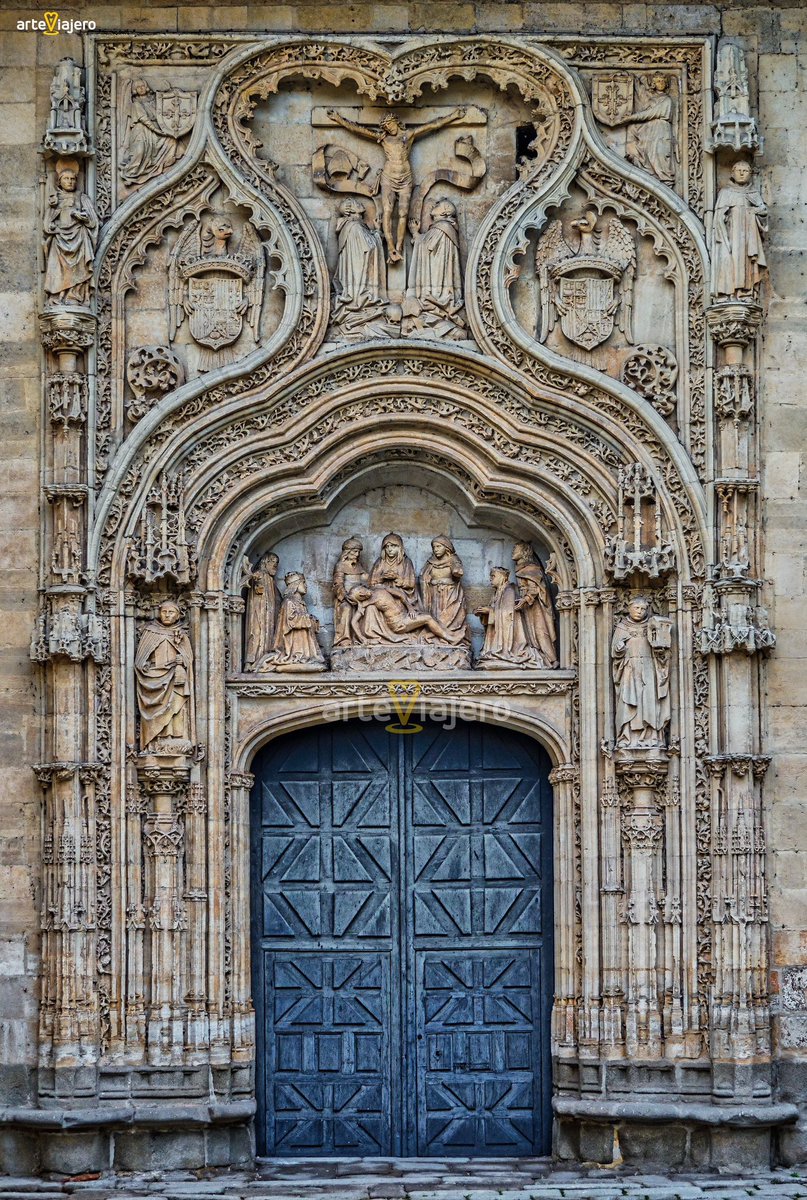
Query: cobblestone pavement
{"points": [[412, 1179]]}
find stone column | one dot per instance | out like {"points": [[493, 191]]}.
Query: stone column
{"points": [[166, 788], [735, 631], [642, 826], [566, 781], [240, 784]]}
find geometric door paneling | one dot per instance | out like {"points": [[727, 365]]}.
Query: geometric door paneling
{"points": [[401, 935]]}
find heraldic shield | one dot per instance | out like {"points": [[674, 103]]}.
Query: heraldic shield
{"points": [[586, 305], [216, 307], [218, 288], [176, 111]]}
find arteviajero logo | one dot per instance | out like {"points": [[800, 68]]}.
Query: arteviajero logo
{"points": [[51, 24]]}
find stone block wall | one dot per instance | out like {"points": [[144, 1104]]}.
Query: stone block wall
{"points": [[774, 37]]}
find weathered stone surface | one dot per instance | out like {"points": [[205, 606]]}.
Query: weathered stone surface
{"points": [[139, 885]]}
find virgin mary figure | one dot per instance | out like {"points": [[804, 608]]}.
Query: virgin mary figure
{"points": [[359, 280], [394, 568]]}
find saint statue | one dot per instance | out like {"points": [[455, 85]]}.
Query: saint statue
{"points": [[535, 604], [740, 220], [147, 150], [649, 131], [640, 656], [263, 603], [396, 182], [347, 574], [360, 276], [441, 587], [394, 567], [164, 678], [505, 642], [433, 303], [295, 646], [71, 227]]}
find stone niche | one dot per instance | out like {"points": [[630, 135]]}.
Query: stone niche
{"points": [[293, 124], [418, 514], [643, 290]]}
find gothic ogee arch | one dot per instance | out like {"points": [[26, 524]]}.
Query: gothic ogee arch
{"points": [[420, 303]]}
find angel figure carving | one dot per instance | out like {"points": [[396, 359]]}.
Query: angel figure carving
{"points": [[588, 286], [216, 286]]}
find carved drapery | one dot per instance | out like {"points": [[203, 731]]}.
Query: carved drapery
{"points": [[160, 479]]}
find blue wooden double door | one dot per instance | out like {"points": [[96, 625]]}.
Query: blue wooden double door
{"points": [[401, 933]]}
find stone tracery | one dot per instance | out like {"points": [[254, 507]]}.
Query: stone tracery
{"points": [[198, 472]]}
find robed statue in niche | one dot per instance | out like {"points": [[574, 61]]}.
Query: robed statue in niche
{"points": [[740, 220], [640, 656], [295, 646], [506, 644], [441, 586], [263, 605], [535, 605], [71, 229], [164, 679]]}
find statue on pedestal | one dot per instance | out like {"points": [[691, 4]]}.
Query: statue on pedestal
{"points": [[71, 227], [640, 655], [164, 679], [740, 220]]}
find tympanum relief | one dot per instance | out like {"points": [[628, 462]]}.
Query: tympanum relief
{"points": [[392, 617]]}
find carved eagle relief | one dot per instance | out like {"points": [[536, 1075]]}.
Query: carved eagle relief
{"points": [[216, 286], [590, 286]]}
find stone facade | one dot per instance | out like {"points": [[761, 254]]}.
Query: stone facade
{"points": [[267, 287]]}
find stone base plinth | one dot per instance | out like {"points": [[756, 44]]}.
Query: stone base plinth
{"points": [[417, 657]]}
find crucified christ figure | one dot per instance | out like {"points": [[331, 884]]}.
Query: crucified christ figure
{"points": [[396, 141]]}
